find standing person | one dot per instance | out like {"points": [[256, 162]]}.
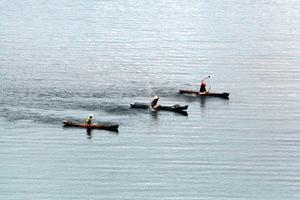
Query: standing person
{"points": [[154, 104], [89, 120]]}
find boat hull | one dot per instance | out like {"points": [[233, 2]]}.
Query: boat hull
{"points": [[69, 123], [175, 108], [224, 95]]}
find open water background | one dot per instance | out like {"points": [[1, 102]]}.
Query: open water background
{"points": [[66, 59]]}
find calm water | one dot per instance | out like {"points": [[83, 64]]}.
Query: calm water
{"points": [[67, 59]]}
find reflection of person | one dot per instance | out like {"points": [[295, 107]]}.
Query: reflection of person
{"points": [[154, 104], [89, 133], [203, 87], [89, 120]]}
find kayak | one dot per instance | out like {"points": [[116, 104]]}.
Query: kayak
{"points": [[70, 123], [224, 95], [175, 108]]}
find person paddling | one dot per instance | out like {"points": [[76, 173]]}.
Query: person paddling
{"points": [[154, 104], [203, 86], [89, 120]]}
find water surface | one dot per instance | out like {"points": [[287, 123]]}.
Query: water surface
{"points": [[67, 59]]}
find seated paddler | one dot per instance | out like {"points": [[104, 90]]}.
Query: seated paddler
{"points": [[89, 120], [154, 104], [202, 87]]}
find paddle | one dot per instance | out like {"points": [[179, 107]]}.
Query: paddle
{"points": [[202, 80], [206, 78], [209, 86]]}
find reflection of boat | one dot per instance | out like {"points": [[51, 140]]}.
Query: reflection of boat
{"points": [[174, 108], [224, 95], [70, 123]]}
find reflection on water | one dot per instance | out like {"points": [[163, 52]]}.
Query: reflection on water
{"points": [[89, 133], [154, 115], [184, 113], [202, 102]]}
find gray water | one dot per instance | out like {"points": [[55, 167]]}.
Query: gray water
{"points": [[66, 59]]}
